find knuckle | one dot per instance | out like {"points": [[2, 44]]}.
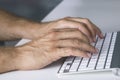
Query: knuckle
{"points": [[68, 51], [84, 27], [86, 20], [72, 51], [82, 24], [76, 31], [68, 17], [76, 42], [91, 48], [85, 38], [52, 35], [62, 21]]}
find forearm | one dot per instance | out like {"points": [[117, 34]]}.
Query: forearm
{"points": [[8, 59], [21, 58], [14, 27]]}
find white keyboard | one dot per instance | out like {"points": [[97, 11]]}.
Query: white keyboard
{"points": [[97, 62]]}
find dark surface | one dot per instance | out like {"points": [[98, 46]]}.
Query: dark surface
{"points": [[1, 43], [32, 9], [116, 56]]}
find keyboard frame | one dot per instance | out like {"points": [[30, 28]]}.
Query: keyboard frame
{"points": [[115, 62]]}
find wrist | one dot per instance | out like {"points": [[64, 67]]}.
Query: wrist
{"points": [[26, 59], [31, 58], [8, 59], [28, 29]]}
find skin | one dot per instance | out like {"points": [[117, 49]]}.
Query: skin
{"points": [[50, 41]]}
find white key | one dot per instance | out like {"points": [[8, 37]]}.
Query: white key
{"points": [[67, 67], [69, 59], [84, 63], [91, 66], [75, 64], [77, 59], [100, 63], [108, 63], [63, 67]]}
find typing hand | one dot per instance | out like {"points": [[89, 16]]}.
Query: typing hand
{"points": [[65, 37], [84, 25]]}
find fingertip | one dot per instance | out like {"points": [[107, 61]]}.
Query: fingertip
{"points": [[91, 40], [86, 55], [101, 35], [89, 55], [96, 50], [93, 50], [94, 39]]}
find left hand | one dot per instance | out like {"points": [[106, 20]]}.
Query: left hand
{"points": [[83, 24]]}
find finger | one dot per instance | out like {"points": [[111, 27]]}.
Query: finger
{"points": [[75, 43], [99, 32], [74, 24], [64, 52], [93, 28], [88, 24], [70, 33]]}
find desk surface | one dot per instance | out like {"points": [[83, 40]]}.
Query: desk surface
{"points": [[104, 13]]}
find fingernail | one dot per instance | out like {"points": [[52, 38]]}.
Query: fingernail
{"points": [[96, 50], [94, 39], [91, 40], [101, 35], [89, 55]]}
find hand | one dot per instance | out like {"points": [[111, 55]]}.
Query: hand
{"points": [[66, 37], [84, 25]]}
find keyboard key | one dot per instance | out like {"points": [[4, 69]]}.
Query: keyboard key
{"points": [[67, 67], [75, 64]]}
